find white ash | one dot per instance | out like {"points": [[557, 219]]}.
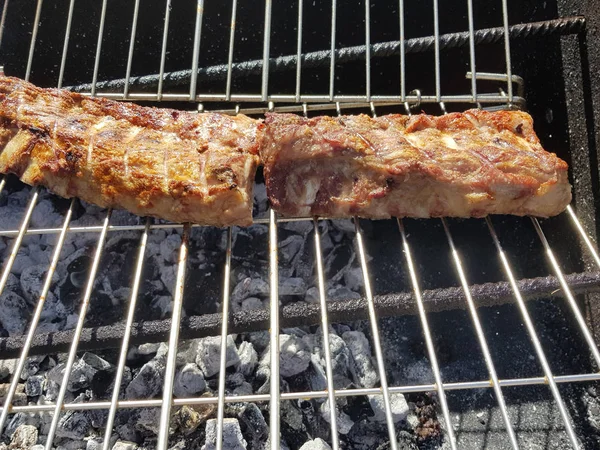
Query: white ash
{"points": [[364, 373], [248, 358], [34, 386], [148, 419], [13, 313], [398, 407], [343, 420], [209, 355], [294, 356], [125, 445], [24, 437], [317, 444], [188, 381], [232, 435]]}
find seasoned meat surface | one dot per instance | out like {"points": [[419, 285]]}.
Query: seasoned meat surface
{"points": [[179, 166], [467, 164]]}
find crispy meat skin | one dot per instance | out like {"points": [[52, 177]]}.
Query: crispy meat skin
{"points": [[467, 164], [179, 166]]}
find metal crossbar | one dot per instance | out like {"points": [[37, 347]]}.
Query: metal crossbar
{"points": [[329, 100]]}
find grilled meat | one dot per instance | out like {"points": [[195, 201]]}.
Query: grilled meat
{"points": [[461, 165], [179, 166]]}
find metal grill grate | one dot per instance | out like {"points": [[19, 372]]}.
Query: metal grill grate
{"points": [[473, 297]]}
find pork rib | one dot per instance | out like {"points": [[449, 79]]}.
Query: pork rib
{"points": [[179, 166], [460, 165]]}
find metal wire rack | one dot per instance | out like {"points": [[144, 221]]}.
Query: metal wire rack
{"points": [[567, 285]]}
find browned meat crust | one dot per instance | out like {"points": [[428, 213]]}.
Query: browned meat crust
{"points": [[461, 165], [179, 166]]}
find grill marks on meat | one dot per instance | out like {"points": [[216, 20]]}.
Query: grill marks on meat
{"points": [[461, 165], [179, 166]]}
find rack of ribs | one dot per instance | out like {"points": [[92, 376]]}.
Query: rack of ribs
{"points": [[179, 166], [467, 164]]}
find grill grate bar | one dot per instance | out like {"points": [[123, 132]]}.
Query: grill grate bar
{"points": [[36, 25], [439, 386], [436, 37], [591, 247], [223, 356], [375, 335], [286, 396], [274, 398], [368, 49], [165, 411], [79, 327], [266, 51], [567, 291], [472, 49], [402, 53], [63, 61], [507, 50], [134, 21], [487, 356], [99, 47], [17, 244], [299, 51], [332, 52], [126, 335], [3, 20], [549, 378], [35, 319], [163, 52], [325, 328], [196, 50], [230, 55]]}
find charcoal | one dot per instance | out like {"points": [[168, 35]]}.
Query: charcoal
{"points": [[398, 406], [20, 419], [234, 380], [209, 354], [149, 348], [19, 397], [317, 444], [188, 381], [24, 437], [312, 295], [85, 369], [7, 368], [302, 227], [339, 292], [294, 355], [168, 275], [254, 424], [260, 198], [292, 286], [243, 389], [34, 386], [163, 305], [259, 339], [252, 303], [187, 419], [248, 358], [362, 367], [148, 419], [169, 248], [22, 261], [73, 425], [344, 225], [249, 287], [13, 313], [289, 247], [344, 422], [125, 445], [340, 361], [32, 281], [147, 383], [232, 435], [353, 278], [127, 432]]}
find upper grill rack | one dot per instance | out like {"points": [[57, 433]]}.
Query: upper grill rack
{"points": [[568, 284]]}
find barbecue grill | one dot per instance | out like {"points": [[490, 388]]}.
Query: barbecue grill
{"points": [[503, 308]]}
